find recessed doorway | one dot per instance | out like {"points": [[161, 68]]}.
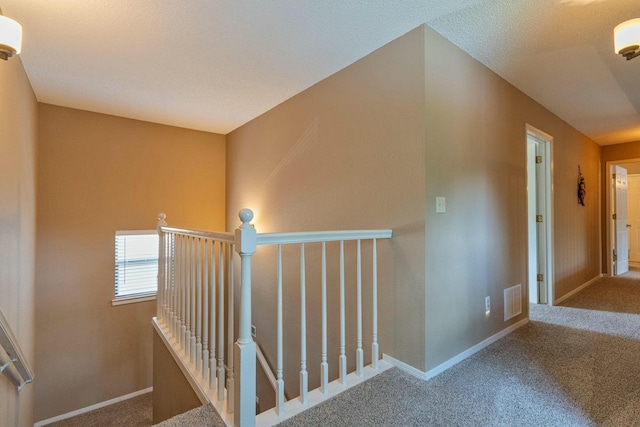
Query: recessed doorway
{"points": [[623, 216], [539, 216]]}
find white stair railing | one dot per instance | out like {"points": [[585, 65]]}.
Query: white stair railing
{"points": [[304, 240], [194, 305], [9, 343], [191, 313]]}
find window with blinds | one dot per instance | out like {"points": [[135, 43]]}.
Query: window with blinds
{"points": [[136, 263]]}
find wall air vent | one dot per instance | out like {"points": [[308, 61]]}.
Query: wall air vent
{"points": [[512, 302]]}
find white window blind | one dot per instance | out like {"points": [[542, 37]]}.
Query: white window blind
{"points": [[136, 263]]}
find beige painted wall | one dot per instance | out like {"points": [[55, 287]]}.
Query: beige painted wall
{"points": [[98, 174], [18, 121], [172, 393], [476, 158], [344, 154], [347, 153], [612, 153]]}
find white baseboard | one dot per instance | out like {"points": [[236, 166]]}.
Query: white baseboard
{"points": [[92, 407], [578, 289], [456, 359], [405, 367]]}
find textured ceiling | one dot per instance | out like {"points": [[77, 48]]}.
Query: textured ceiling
{"points": [[215, 64]]}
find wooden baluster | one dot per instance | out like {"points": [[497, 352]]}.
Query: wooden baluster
{"points": [[343, 351], [171, 278], [183, 284], [304, 376], [230, 333], [167, 278], [205, 312], [183, 298], [192, 295], [176, 282], [359, 350], [279, 359], [161, 269], [245, 354], [375, 354], [176, 286], [198, 303], [186, 301], [220, 370], [212, 320], [168, 287], [324, 366]]}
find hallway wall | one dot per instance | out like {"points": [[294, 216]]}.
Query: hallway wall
{"points": [[475, 126], [98, 174], [343, 154], [18, 121], [347, 153]]}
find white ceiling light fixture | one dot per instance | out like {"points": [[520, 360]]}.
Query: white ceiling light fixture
{"points": [[627, 38], [10, 37]]}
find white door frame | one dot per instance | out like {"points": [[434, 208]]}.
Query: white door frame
{"points": [[609, 201], [546, 251], [633, 181]]}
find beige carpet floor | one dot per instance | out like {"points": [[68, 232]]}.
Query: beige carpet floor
{"points": [[577, 364], [135, 412], [572, 365]]}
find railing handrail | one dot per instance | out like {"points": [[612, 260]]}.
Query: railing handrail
{"points": [[11, 346], [214, 235], [320, 236], [287, 238]]}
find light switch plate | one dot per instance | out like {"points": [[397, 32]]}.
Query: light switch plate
{"points": [[441, 205]]}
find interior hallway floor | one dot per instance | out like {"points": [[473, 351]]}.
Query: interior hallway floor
{"points": [[575, 364]]}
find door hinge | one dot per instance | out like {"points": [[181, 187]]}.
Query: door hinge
{"points": [[540, 277], [615, 256], [614, 176], [615, 216], [538, 159], [538, 218]]}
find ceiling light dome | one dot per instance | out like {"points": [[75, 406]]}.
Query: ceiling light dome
{"points": [[10, 37], [627, 38]]}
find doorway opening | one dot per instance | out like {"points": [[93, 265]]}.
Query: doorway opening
{"points": [[539, 216], [623, 216]]}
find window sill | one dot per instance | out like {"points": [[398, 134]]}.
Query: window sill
{"points": [[132, 300]]}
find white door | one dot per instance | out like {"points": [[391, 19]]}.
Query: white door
{"points": [[633, 197], [621, 255], [537, 221], [541, 222], [532, 227]]}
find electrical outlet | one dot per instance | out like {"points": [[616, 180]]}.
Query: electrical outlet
{"points": [[441, 205], [487, 306], [254, 331]]}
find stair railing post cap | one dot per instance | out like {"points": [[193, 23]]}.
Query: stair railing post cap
{"points": [[246, 215], [161, 220]]}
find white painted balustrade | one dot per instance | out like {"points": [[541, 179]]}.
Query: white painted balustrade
{"points": [[195, 305]]}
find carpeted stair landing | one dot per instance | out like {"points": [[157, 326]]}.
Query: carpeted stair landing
{"points": [[577, 364]]}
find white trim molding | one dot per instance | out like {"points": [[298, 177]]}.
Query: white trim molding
{"points": [[132, 300], [93, 407], [578, 289], [456, 359]]}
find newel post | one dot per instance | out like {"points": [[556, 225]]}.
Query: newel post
{"points": [[161, 268], [245, 348]]}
